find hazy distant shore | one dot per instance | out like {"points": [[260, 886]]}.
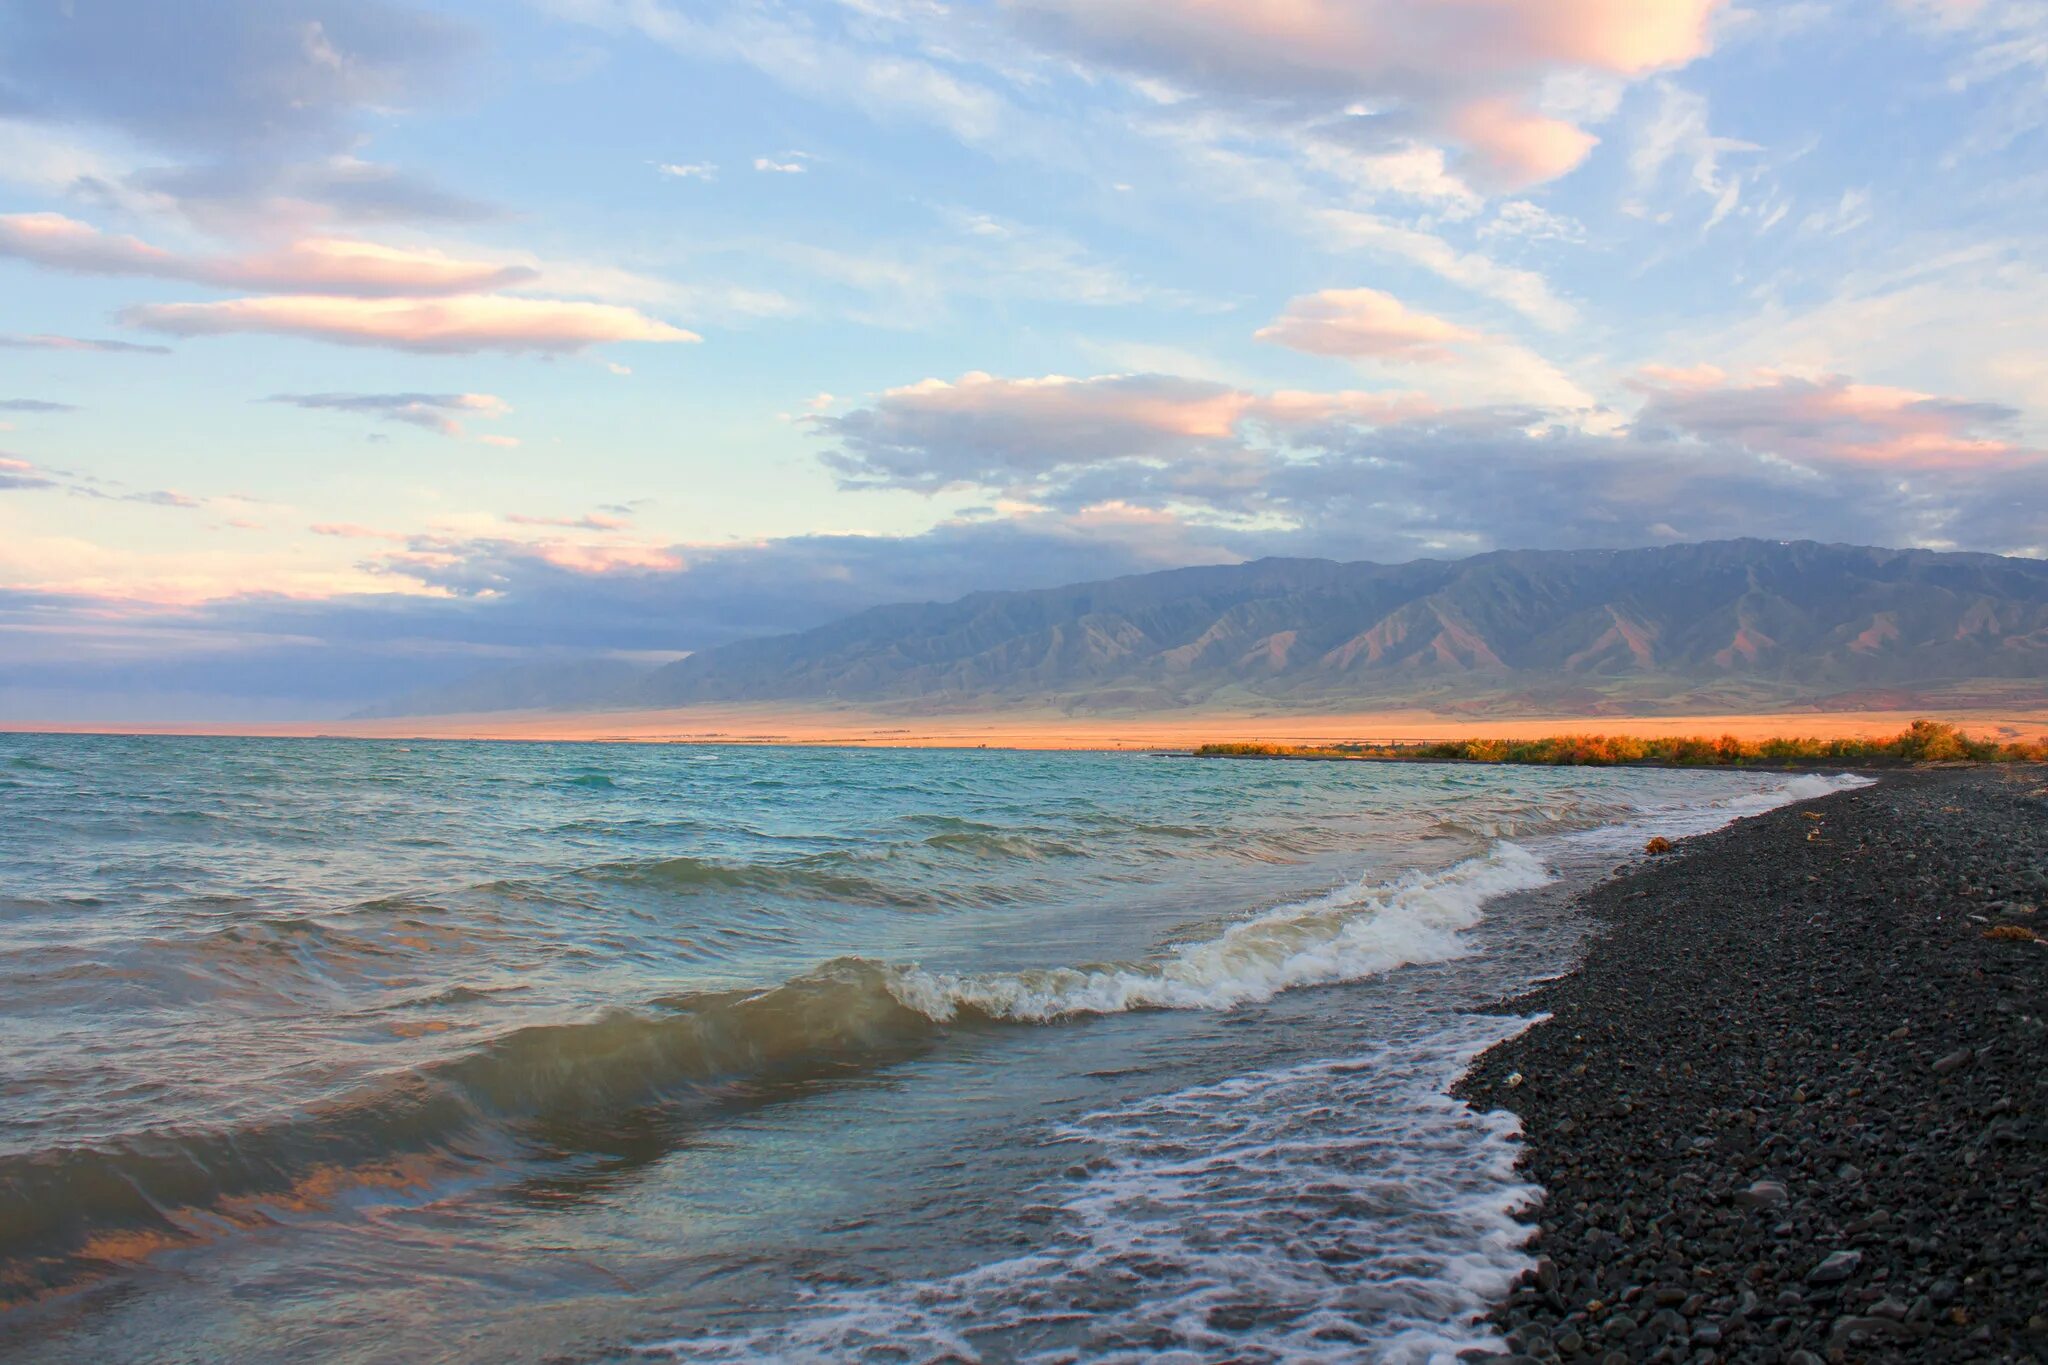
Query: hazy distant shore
{"points": [[1791, 1107], [1025, 728]]}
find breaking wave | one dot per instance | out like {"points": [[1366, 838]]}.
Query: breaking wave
{"points": [[1348, 935], [60, 1208]]}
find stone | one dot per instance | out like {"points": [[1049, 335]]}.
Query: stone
{"points": [[1763, 1194], [1954, 1061], [1838, 1267]]}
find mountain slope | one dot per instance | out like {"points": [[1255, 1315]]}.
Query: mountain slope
{"points": [[1745, 617]]}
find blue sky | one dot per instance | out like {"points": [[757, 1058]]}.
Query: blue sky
{"points": [[345, 345]]}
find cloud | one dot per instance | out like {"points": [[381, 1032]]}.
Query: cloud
{"points": [[1011, 434], [359, 293], [1444, 484], [1677, 132], [1709, 457], [1363, 322], [692, 170], [916, 281], [314, 265], [1518, 218], [800, 51], [1123, 473], [593, 521], [436, 412], [263, 97], [350, 530], [448, 326], [16, 341], [19, 476], [1519, 148], [34, 405], [1525, 291], [2003, 43], [208, 74], [790, 167], [1470, 74], [1832, 420]]}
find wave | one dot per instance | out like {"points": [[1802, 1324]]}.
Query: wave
{"points": [[1339, 1210], [989, 843], [520, 1095], [536, 1092], [1348, 935], [531, 1089], [688, 876]]}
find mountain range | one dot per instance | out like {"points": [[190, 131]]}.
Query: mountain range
{"points": [[1738, 623]]}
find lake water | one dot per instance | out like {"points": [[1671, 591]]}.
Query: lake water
{"points": [[360, 1051]]}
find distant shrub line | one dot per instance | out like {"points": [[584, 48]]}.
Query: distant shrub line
{"points": [[1924, 741]]}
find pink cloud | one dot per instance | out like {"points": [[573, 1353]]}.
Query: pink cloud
{"points": [[603, 559], [43, 341], [349, 530], [364, 269], [1353, 40], [311, 266], [594, 521], [486, 322], [1832, 419], [1470, 72], [1519, 148], [1363, 322], [51, 239], [994, 432], [1131, 411], [1290, 409]]}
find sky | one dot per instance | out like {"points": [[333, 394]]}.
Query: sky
{"points": [[351, 345]]}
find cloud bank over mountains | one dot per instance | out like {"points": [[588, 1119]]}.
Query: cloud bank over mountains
{"points": [[353, 338]]}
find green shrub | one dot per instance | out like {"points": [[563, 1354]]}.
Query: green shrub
{"points": [[1925, 741]]}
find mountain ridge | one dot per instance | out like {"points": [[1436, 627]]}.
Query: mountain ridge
{"points": [[1744, 616]]}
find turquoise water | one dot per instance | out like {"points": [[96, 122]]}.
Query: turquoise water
{"points": [[360, 1051]]}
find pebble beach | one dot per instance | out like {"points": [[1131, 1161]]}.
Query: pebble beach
{"points": [[1793, 1105]]}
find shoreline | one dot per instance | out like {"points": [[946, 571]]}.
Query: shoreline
{"points": [[1048, 729], [1791, 1106]]}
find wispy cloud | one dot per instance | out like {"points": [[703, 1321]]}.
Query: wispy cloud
{"points": [[16, 341], [314, 265], [436, 412], [452, 325]]}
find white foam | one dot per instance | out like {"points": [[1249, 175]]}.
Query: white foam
{"points": [[1346, 1210], [1348, 935], [1689, 818], [1336, 1211]]}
